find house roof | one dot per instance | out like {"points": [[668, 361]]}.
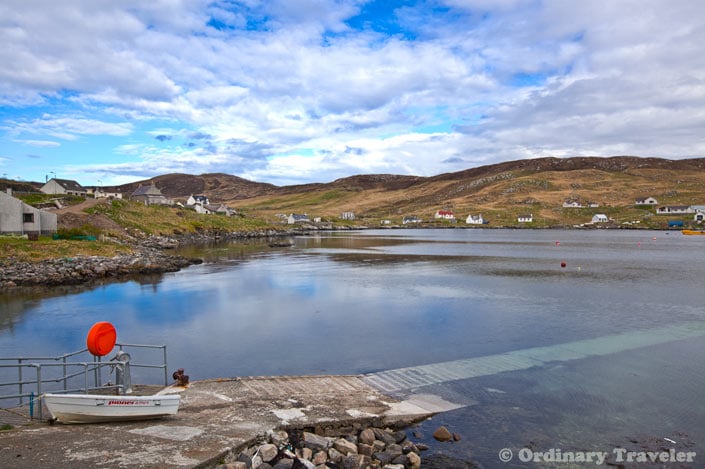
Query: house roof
{"points": [[298, 216], [445, 212], [70, 185], [147, 190]]}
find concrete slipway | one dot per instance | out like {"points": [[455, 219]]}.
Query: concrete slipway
{"points": [[216, 418]]}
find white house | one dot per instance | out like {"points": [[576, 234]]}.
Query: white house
{"points": [[572, 203], [526, 218], [17, 217], [444, 214], [297, 218], [646, 201], [63, 186], [600, 218], [104, 192], [411, 219], [474, 220], [347, 215], [668, 209], [197, 200]]}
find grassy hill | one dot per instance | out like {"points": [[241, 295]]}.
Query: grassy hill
{"points": [[499, 192]]}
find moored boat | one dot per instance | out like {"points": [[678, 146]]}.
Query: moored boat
{"points": [[693, 232], [92, 408]]}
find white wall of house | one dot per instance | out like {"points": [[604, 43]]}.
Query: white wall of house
{"points": [[17, 217]]}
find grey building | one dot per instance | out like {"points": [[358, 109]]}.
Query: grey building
{"points": [[63, 186], [17, 217], [151, 195]]}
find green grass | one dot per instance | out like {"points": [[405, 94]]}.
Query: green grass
{"points": [[165, 220], [24, 250]]}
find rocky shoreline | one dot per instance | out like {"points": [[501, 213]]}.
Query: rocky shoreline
{"points": [[358, 447]]}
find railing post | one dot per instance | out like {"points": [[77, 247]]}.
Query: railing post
{"points": [[166, 383], [19, 372], [63, 359], [85, 378], [39, 388]]}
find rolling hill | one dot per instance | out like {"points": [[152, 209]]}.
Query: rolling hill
{"points": [[500, 191]]}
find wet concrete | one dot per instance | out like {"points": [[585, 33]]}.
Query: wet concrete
{"points": [[216, 419]]}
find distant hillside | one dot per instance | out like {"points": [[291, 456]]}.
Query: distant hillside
{"points": [[217, 186], [500, 191]]}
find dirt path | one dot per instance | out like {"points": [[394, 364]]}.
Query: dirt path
{"points": [[74, 216], [79, 208]]}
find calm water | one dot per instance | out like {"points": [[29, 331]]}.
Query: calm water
{"points": [[367, 301]]}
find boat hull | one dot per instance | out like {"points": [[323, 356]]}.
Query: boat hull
{"points": [[693, 232], [93, 408]]}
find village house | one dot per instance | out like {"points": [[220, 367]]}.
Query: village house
{"points": [[677, 209], [104, 192], [525, 218], [646, 201], [572, 203], [600, 218], [63, 186], [347, 215], [410, 219], [150, 195], [17, 217], [197, 200], [222, 209], [474, 220], [297, 218], [444, 214]]}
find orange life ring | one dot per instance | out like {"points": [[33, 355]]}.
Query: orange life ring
{"points": [[101, 338]]}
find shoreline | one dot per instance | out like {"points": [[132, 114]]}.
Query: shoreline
{"points": [[152, 256]]}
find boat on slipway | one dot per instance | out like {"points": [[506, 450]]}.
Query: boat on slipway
{"points": [[93, 408], [693, 232]]}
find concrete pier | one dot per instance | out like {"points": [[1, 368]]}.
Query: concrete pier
{"points": [[216, 419]]}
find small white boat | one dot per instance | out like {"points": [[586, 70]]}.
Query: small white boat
{"points": [[91, 408]]}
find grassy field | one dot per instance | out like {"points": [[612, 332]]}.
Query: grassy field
{"points": [[23, 250]]}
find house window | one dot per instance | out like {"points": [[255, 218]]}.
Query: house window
{"points": [[28, 217]]}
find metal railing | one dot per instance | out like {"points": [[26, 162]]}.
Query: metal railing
{"points": [[26, 387]]}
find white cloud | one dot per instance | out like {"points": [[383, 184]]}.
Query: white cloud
{"points": [[289, 89]]}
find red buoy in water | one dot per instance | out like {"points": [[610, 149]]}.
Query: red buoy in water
{"points": [[563, 264], [101, 338]]}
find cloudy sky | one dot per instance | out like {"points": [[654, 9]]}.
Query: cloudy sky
{"points": [[294, 91]]}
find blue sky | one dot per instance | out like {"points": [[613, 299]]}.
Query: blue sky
{"points": [[297, 91]]}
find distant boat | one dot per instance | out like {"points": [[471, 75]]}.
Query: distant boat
{"points": [[92, 408], [693, 232]]}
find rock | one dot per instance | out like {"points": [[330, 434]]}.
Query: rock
{"points": [[244, 458], [393, 466], [307, 454], [279, 438], [414, 460], [284, 464], [362, 448], [378, 446], [303, 464], [399, 436], [384, 436], [268, 452], [335, 455], [383, 457], [367, 436], [456, 437], [356, 461], [314, 441], [422, 446], [320, 458], [442, 434], [345, 447]]}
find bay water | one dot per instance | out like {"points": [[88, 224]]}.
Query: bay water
{"points": [[376, 300]]}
